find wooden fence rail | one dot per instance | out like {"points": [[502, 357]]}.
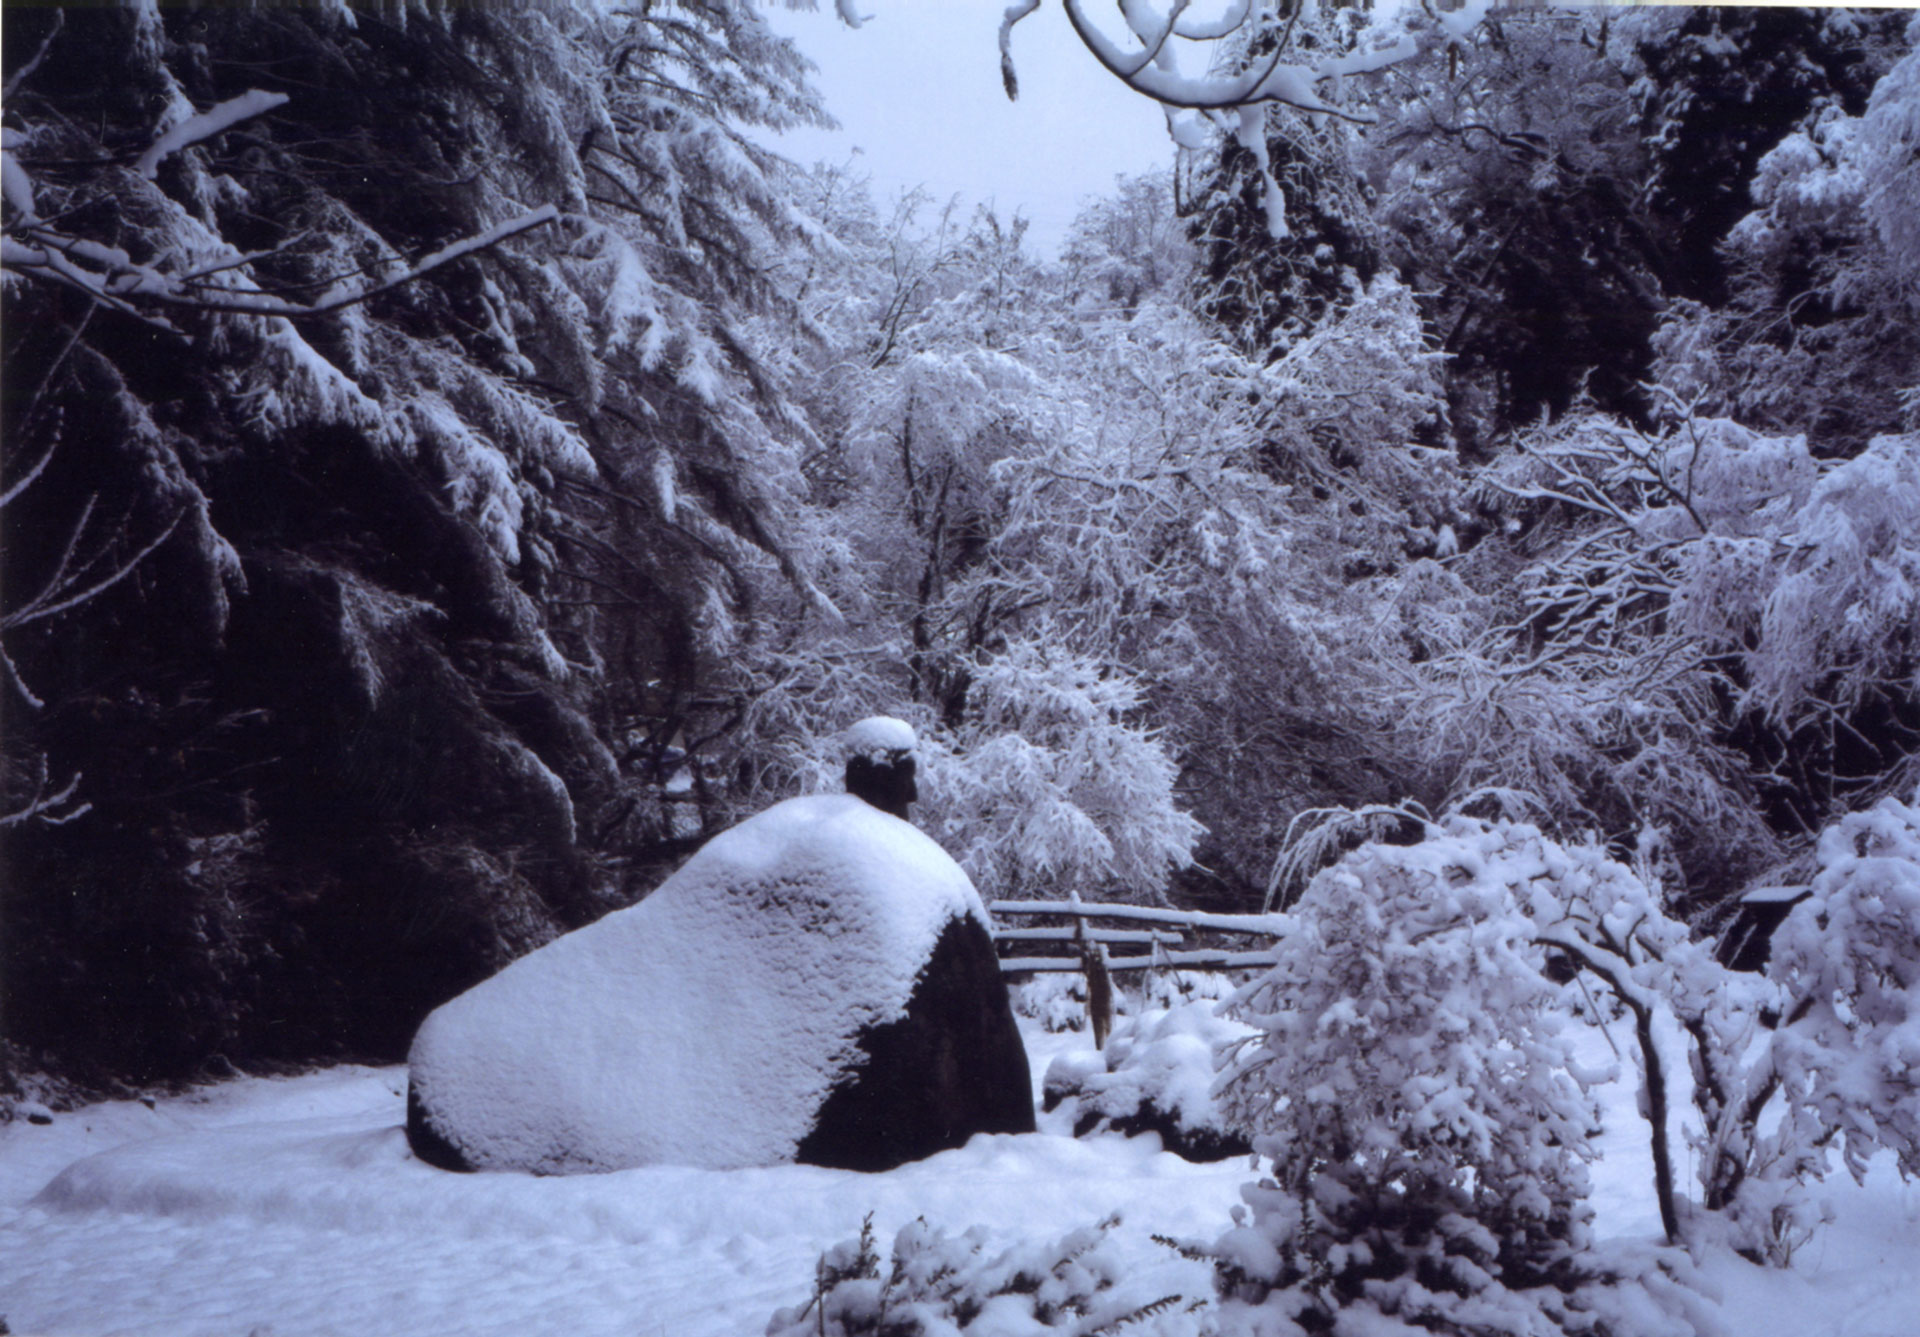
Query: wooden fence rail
{"points": [[1168, 950]]}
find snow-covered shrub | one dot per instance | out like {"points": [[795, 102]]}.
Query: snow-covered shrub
{"points": [[1171, 988], [1415, 1092], [1055, 787], [1155, 1074], [1843, 1058], [942, 1285], [1786, 583], [1055, 999], [1058, 999], [1850, 956]]}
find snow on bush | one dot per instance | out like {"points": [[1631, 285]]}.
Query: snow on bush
{"points": [[1414, 1089], [1850, 956], [1058, 999], [942, 1285], [1157, 1071], [1779, 1068], [1843, 1057], [705, 1025], [1058, 789]]}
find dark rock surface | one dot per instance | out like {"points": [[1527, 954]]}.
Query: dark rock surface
{"points": [[426, 1140], [953, 1066]]}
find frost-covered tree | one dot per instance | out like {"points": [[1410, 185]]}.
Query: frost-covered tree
{"points": [[1129, 246], [1817, 334], [1505, 176], [1205, 525], [1711, 621], [1270, 288], [953, 357], [1016, 491], [1722, 87]]}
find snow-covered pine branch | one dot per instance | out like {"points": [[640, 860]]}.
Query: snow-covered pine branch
{"points": [[205, 125], [111, 276]]}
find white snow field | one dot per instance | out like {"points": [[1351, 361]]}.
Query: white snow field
{"points": [[290, 1208]]}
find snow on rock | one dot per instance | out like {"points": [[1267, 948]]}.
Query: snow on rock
{"points": [[878, 738], [709, 1024]]}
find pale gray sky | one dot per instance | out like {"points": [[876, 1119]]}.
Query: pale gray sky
{"points": [[917, 90]]}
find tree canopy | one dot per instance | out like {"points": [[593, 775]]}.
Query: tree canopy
{"points": [[453, 467]]}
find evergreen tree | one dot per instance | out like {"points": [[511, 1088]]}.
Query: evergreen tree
{"points": [[401, 361]]}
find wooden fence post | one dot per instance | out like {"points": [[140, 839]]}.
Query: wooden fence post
{"points": [[1093, 962]]}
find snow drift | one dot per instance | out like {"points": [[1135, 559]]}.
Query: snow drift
{"points": [[710, 1024]]}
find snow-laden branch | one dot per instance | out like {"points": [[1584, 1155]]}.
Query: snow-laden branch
{"points": [[1153, 69], [1160, 78], [1015, 12], [25, 72], [112, 277], [68, 588], [15, 184], [1642, 1003], [205, 125], [52, 809]]}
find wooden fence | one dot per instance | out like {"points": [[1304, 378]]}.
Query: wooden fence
{"points": [[1168, 939]]}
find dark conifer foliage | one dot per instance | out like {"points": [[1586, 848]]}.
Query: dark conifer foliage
{"points": [[1723, 90], [1269, 291], [344, 718]]}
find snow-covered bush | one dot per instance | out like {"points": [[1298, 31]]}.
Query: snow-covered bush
{"points": [[1850, 956], [1057, 1000], [942, 1285], [1172, 988], [1414, 1089], [1415, 1092], [1784, 583], [1156, 1074], [1845, 966], [1465, 1069], [1055, 788]]}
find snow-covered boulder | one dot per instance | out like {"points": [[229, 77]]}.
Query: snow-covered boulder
{"points": [[816, 984]]}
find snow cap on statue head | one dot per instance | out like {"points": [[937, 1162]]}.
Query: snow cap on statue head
{"points": [[880, 763]]}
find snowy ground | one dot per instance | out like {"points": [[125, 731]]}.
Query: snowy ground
{"points": [[290, 1207]]}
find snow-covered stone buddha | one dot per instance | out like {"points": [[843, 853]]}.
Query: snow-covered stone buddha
{"points": [[815, 984]]}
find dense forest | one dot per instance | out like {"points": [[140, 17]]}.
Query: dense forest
{"points": [[453, 466]]}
